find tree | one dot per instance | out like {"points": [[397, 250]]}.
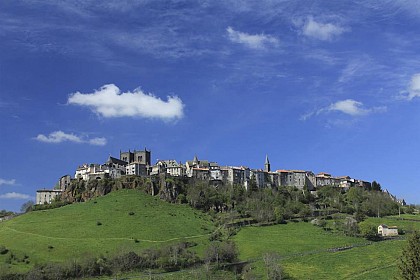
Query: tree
{"points": [[273, 269], [368, 231], [376, 186], [410, 259], [350, 226], [27, 206]]}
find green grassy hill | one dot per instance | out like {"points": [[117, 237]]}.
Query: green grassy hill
{"points": [[305, 251], [130, 220], [120, 221]]}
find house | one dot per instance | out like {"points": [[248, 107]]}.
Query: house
{"points": [[384, 230], [46, 196], [259, 176], [324, 179], [137, 169]]}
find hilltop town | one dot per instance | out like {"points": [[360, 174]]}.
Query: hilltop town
{"points": [[138, 163]]}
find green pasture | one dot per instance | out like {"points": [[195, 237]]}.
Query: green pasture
{"points": [[118, 222], [304, 252], [402, 224], [288, 239]]}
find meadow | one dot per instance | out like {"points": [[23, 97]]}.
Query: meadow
{"points": [[130, 220], [126, 220], [305, 251]]}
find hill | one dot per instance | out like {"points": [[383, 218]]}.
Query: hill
{"points": [[304, 251], [118, 222]]}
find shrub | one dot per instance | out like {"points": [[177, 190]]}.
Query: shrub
{"points": [[126, 262], [3, 250], [98, 223], [221, 252]]}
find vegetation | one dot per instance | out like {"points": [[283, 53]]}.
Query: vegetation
{"points": [[4, 213], [409, 265], [255, 234], [71, 232]]}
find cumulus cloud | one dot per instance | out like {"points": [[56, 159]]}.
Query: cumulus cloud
{"points": [[257, 41], [349, 107], [60, 136], [14, 195], [7, 182], [321, 31], [414, 87], [110, 102]]}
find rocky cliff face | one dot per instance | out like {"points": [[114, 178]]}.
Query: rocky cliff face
{"points": [[167, 187]]}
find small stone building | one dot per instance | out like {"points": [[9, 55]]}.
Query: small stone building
{"points": [[46, 196], [384, 230]]}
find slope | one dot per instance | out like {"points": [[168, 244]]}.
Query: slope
{"points": [[120, 221]]}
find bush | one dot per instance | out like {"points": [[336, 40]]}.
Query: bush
{"points": [[126, 262], [368, 231], [3, 250], [220, 252]]}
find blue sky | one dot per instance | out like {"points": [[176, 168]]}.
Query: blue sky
{"points": [[327, 86]]}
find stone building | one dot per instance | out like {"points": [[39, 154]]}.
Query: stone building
{"points": [[170, 167], [64, 182], [141, 157], [384, 230], [46, 196]]}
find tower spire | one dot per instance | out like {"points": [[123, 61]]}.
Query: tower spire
{"points": [[267, 164]]}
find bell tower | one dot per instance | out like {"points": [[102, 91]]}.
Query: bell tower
{"points": [[267, 164]]}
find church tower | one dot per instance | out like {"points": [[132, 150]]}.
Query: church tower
{"points": [[267, 164]]}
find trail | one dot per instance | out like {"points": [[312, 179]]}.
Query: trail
{"points": [[105, 238]]}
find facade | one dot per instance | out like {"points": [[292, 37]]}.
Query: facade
{"points": [[87, 172], [299, 178], [200, 173], [384, 230], [216, 175], [64, 182], [324, 179], [137, 169], [259, 176], [142, 157], [200, 166], [46, 196], [310, 180]]}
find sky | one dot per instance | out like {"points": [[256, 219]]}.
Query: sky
{"points": [[327, 86]]}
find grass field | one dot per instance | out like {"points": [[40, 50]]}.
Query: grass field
{"points": [[118, 222], [303, 251], [406, 225], [129, 220]]}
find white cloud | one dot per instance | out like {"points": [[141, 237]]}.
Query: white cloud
{"points": [[258, 41], [414, 87], [100, 141], [349, 107], [14, 195], [60, 136], [321, 31], [7, 182], [109, 102]]}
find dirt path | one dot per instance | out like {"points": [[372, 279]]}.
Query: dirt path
{"points": [[103, 238]]}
